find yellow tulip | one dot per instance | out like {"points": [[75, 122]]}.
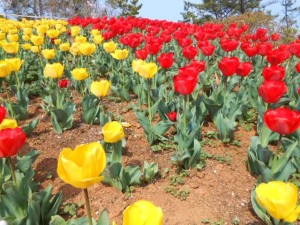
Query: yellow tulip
{"points": [[79, 73], [87, 48], [147, 70], [11, 47], [64, 47], [54, 70], [37, 40], [2, 36], [52, 33], [5, 69], [57, 41], [15, 64], [27, 31], [13, 37], [98, 39], [143, 212], [75, 30], [8, 123], [80, 39], [113, 132], [100, 88], [74, 49], [26, 46], [110, 47], [136, 64], [35, 49], [279, 199], [26, 37], [48, 53], [82, 167], [41, 30], [120, 54], [95, 32]]}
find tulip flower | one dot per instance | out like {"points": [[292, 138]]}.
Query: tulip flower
{"points": [[282, 120], [185, 83], [143, 212], [79, 73], [141, 54], [244, 69], [5, 68], [15, 64], [87, 48], [100, 88], [228, 65], [98, 39], [172, 116], [113, 132], [190, 52], [11, 140], [82, 168], [166, 60], [64, 47], [2, 113], [37, 40], [120, 54], [52, 33], [274, 73], [297, 67], [147, 70], [110, 47], [48, 53], [11, 47], [54, 70], [272, 91], [75, 30], [279, 199], [63, 83], [8, 123]]}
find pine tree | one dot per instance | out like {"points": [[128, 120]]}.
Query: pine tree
{"points": [[218, 9], [126, 8]]}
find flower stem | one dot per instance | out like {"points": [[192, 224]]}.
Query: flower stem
{"points": [[279, 144], [87, 205], [149, 100], [185, 106], [12, 170], [9, 103]]}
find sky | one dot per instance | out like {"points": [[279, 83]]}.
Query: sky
{"points": [[171, 9]]}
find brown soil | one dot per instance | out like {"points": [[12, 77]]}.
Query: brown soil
{"points": [[221, 191]]}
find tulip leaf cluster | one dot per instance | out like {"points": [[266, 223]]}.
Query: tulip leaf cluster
{"points": [[24, 203]]}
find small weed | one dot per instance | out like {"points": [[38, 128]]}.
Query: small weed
{"points": [[71, 208], [176, 181], [295, 179], [237, 143], [161, 146], [235, 221], [211, 134], [219, 158], [208, 221]]}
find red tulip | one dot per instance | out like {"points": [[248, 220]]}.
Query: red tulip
{"points": [[184, 42], [2, 113], [208, 50], [264, 48], [63, 83], [166, 60], [260, 32], [272, 91], [229, 45], [11, 140], [185, 83], [277, 56], [282, 120], [275, 37], [190, 52], [297, 67], [244, 69], [274, 73], [141, 54], [172, 116], [228, 65], [198, 65]]}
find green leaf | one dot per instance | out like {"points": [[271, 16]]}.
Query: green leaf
{"points": [[103, 218], [25, 162], [28, 128], [57, 220]]}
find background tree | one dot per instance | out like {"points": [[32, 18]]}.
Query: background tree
{"points": [[218, 9], [126, 7]]}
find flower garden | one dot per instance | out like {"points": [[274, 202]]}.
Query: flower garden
{"points": [[147, 122]]}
